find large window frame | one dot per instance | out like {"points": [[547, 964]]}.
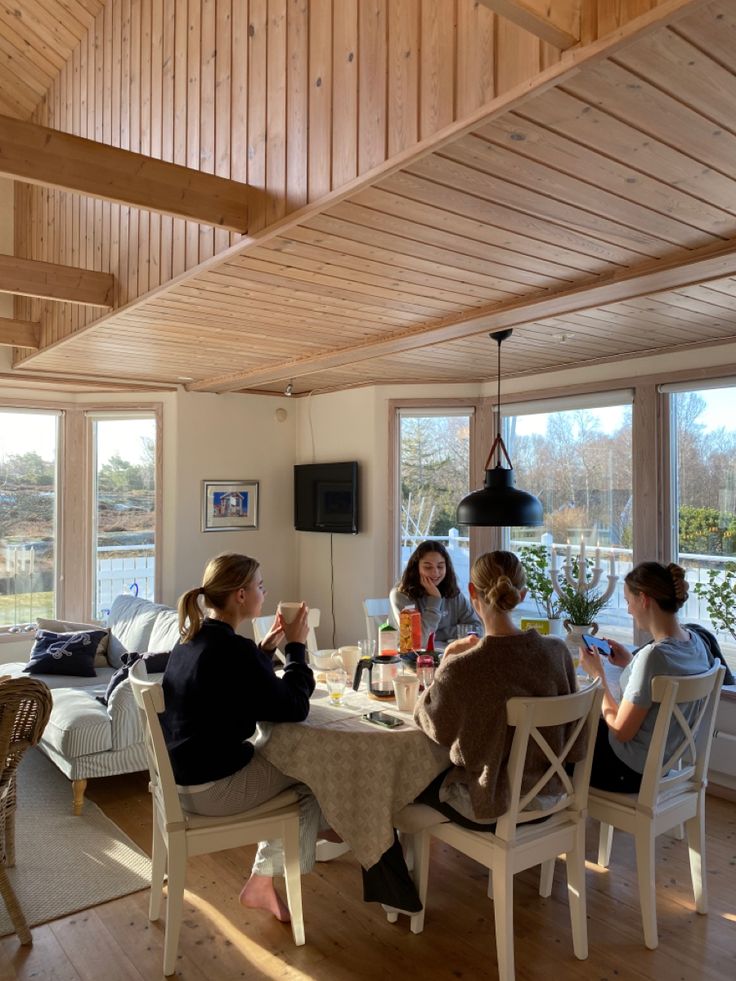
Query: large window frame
{"points": [[74, 499]]}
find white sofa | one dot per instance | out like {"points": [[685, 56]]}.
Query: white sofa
{"points": [[85, 738]]}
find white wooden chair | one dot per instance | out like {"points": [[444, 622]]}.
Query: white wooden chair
{"points": [[261, 626], [672, 790], [177, 834], [516, 844], [377, 611]]}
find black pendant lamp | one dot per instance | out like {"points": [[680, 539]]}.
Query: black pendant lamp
{"points": [[499, 503]]}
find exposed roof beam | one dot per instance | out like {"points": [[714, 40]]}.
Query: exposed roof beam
{"points": [[38, 155], [555, 21], [28, 277], [656, 277], [19, 333]]}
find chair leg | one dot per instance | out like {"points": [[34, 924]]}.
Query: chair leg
{"points": [[420, 849], [292, 878], [576, 894], [679, 832], [10, 838], [177, 868], [503, 911], [546, 877], [644, 842], [158, 871], [605, 840], [695, 828], [14, 910]]}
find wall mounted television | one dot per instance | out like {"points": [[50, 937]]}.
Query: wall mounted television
{"points": [[326, 497]]}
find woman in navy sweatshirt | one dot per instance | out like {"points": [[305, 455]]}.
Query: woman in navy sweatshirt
{"points": [[217, 686]]}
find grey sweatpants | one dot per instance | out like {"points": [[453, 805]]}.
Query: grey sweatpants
{"points": [[255, 784]]}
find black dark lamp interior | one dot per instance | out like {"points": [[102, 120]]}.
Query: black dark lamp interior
{"points": [[499, 503]]}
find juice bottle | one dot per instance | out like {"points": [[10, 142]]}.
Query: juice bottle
{"points": [[388, 640], [410, 629]]}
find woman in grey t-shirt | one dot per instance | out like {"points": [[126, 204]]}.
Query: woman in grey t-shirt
{"points": [[654, 593]]}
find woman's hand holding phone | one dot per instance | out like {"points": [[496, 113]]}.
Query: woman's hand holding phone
{"points": [[620, 655]]}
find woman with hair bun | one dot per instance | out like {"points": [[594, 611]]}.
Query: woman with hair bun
{"points": [[217, 686], [465, 708], [654, 594]]}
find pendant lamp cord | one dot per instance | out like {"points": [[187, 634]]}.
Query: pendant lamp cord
{"points": [[498, 402]]}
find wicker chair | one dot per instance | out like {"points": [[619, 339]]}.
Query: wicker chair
{"points": [[25, 706]]}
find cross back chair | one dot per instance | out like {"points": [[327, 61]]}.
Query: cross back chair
{"points": [[178, 834], [25, 707], [516, 844], [672, 789], [261, 626], [377, 612]]}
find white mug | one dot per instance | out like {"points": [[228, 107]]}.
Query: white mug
{"points": [[349, 657], [406, 687], [289, 611]]}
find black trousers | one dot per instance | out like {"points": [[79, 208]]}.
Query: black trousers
{"points": [[609, 772]]}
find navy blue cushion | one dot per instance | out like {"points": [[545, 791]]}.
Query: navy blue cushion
{"points": [[155, 663], [67, 653]]}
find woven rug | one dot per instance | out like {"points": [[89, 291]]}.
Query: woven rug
{"points": [[64, 863]]}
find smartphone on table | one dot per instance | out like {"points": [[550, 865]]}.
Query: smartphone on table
{"points": [[383, 719], [596, 644]]}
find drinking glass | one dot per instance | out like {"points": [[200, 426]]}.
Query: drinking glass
{"points": [[337, 680], [367, 647], [425, 670], [465, 630]]}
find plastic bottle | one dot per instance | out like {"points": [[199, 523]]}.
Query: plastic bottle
{"points": [[388, 640]]}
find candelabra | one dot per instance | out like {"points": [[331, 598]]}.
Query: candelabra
{"points": [[582, 584]]}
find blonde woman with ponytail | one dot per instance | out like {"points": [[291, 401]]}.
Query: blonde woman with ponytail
{"points": [[217, 686], [465, 708], [654, 594]]}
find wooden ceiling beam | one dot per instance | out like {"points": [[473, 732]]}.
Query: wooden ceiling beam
{"points": [[557, 22], [38, 155], [712, 262], [49, 281], [19, 333]]}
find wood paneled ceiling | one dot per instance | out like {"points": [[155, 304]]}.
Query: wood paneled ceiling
{"points": [[36, 41], [598, 217]]}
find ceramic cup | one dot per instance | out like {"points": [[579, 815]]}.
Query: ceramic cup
{"points": [[406, 687], [349, 657], [289, 611]]}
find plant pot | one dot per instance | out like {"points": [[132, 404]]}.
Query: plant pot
{"points": [[556, 627], [574, 638]]}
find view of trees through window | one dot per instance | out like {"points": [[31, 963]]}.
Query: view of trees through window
{"points": [[27, 515], [125, 514]]}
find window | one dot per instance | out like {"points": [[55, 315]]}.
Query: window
{"points": [[28, 458], [434, 475], [575, 455], [124, 539], [704, 456]]}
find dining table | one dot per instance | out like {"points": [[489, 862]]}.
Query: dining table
{"points": [[361, 774]]}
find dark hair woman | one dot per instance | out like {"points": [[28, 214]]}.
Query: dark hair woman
{"points": [[217, 686], [429, 583], [654, 594]]}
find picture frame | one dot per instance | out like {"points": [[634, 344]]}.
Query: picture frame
{"points": [[229, 505]]}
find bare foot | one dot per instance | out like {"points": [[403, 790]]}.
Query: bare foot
{"points": [[259, 893]]}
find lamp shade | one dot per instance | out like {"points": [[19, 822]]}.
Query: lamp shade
{"points": [[499, 504]]}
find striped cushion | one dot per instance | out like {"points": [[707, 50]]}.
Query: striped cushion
{"points": [[79, 724]]}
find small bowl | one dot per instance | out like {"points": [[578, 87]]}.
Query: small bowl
{"points": [[410, 658], [323, 660]]}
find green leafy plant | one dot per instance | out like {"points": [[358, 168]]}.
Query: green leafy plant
{"points": [[538, 582], [581, 607], [719, 593]]}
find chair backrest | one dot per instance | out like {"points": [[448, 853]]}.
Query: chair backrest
{"points": [[576, 712], [687, 705], [261, 626], [149, 697], [25, 707], [377, 611]]}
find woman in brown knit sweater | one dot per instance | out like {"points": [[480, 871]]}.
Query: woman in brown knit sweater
{"points": [[465, 708]]}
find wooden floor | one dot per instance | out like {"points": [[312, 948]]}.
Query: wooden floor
{"points": [[348, 939]]}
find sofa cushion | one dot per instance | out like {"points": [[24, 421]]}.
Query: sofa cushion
{"points": [[67, 626], [130, 622], [165, 634], [96, 685], [68, 654], [79, 725]]}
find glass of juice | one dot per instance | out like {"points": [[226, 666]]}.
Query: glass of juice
{"points": [[336, 680]]}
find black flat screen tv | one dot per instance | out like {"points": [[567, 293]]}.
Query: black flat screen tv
{"points": [[326, 497]]}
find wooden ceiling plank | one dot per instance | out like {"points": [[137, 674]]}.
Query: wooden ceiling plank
{"points": [[24, 37], [18, 333], [29, 277], [48, 26], [492, 173], [556, 23], [37, 78], [712, 31], [710, 263], [51, 158], [544, 145]]}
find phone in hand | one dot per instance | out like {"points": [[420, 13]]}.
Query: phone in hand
{"points": [[383, 719], [596, 644]]}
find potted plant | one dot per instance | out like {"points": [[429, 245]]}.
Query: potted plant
{"points": [[581, 604], [534, 558], [719, 593]]}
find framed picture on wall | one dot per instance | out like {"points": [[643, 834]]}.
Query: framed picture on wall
{"points": [[229, 505]]}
